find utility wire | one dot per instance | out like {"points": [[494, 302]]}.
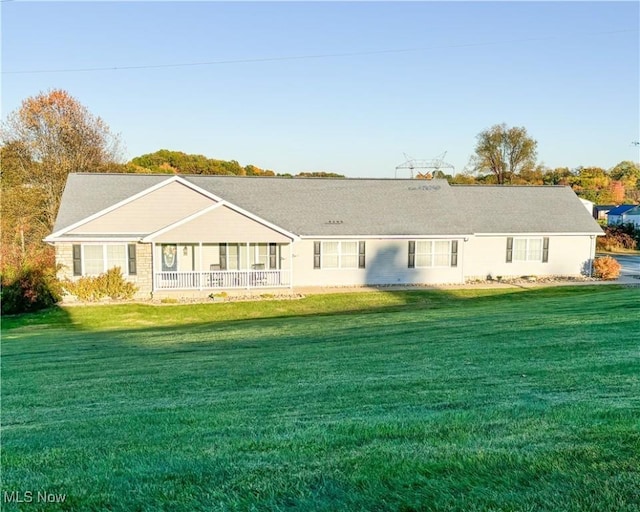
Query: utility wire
{"points": [[305, 57]]}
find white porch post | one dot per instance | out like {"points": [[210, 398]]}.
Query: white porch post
{"points": [[291, 265], [200, 270], [248, 267]]}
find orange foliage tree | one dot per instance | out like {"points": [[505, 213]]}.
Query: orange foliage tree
{"points": [[56, 135]]}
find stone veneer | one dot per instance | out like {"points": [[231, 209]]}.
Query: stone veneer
{"points": [[143, 279]]}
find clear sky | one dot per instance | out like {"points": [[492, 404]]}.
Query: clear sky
{"points": [[347, 87]]}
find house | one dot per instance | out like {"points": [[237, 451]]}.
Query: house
{"points": [[589, 205], [197, 234], [624, 214], [600, 211]]}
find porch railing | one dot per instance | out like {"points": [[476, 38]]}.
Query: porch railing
{"points": [[221, 279]]}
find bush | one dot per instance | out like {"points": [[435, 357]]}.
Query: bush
{"points": [[618, 237], [110, 284], [30, 288], [606, 268]]}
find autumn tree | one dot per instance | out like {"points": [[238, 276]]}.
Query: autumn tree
{"points": [[628, 173], [22, 220], [52, 134], [558, 176], [504, 152], [178, 162]]}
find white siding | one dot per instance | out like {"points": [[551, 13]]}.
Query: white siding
{"points": [[486, 255], [386, 263], [478, 257]]}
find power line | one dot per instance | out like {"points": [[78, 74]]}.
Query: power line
{"points": [[304, 57]]}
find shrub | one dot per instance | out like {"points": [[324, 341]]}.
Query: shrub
{"points": [[29, 288], [110, 284], [618, 237], [115, 286], [606, 268]]}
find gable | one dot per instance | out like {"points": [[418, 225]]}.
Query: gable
{"points": [[148, 213], [220, 224]]}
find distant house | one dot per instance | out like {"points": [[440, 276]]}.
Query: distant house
{"points": [[600, 211], [624, 214], [588, 205], [198, 234]]}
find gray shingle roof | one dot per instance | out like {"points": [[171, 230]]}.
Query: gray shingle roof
{"points": [[86, 194], [343, 207]]}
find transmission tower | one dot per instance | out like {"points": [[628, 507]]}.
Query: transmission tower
{"points": [[424, 168]]}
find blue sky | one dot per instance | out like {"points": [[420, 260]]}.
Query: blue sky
{"points": [[347, 87]]}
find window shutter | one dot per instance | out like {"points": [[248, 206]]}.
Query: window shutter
{"points": [[412, 254], [273, 256], [131, 254], [361, 255], [316, 254], [223, 256], [77, 260], [509, 249], [545, 249], [454, 253]]}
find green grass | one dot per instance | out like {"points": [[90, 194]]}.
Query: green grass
{"points": [[523, 400]]}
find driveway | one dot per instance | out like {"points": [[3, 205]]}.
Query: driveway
{"points": [[630, 264]]}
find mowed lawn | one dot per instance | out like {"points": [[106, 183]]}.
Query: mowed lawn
{"points": [[519, 400]]}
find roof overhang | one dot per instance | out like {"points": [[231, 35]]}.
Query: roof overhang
{"points": [[97, 238], [543, 233], [384, 237]]}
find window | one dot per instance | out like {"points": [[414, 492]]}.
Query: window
{"points": [[433, 253], [259, 256], [233, 257], [94, 259], [528, 249], [339, 254]]}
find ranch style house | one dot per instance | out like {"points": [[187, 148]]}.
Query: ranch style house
{"points": [[193, 235]]}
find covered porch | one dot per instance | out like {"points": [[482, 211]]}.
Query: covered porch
{"points": [[221, 248], [221, 266]]}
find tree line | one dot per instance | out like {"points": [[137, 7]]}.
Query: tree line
{"points": [[177, 162], [618, 185]]}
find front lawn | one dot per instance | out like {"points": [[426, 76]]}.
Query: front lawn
{"points": [[420, 400]]}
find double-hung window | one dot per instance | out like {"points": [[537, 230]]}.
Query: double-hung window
{"points": [[260, 256], [94, 259], [342, 254], [433, 253], [528, 249]]}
